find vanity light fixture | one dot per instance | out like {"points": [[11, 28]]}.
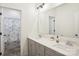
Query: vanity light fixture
{"points": [[41, 6], [37, 8]]}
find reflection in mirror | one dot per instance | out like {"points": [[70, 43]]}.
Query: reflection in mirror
{"points": [[59, 20], [51, 25]]}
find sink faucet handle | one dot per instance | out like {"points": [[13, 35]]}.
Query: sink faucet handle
{"points": [[57, 41], [57, 36]]}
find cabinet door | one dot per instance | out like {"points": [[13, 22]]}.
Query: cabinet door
{"points": [[31, 48], [50, 52], [39, 49]]}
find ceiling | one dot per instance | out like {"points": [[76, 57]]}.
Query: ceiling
{"points": [[48, 6]]}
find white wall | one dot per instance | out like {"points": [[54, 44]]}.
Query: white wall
{"points": [[27, 20], [67, 18]]}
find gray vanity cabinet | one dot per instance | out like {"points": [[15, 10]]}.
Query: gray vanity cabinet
{"points": [[31, 48], [39, 49], [35, 49], [50, 52]]}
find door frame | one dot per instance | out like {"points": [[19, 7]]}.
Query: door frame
{"points": [[2, 43]]}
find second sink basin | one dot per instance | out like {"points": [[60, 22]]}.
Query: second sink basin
{"points": [[64, 47]]}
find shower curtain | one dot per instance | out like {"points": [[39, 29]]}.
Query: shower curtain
{"points": [[11, 30]]}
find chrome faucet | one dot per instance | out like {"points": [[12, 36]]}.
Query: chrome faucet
{"points": [[57, 40], [39, 36]]}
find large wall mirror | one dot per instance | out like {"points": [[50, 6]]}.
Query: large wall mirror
{"points": [[61, 20]]}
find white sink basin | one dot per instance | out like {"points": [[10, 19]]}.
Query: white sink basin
{"points": [[64, 47], [77, 52]]}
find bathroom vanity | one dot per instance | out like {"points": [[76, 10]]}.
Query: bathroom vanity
{"points": [[37, 49], [48, 47]]}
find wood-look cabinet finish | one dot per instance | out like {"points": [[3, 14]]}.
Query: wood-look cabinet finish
{"points": [[36, 49], [39, 49], [50, 52], [31, 48]]}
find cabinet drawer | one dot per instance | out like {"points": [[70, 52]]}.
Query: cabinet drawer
{"points": [[50, 52], [39, 49]]}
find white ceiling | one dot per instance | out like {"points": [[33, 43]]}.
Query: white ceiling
{"points": [[48, 6]]}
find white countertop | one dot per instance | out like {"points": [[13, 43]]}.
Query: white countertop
{"points": [[71, 51]]}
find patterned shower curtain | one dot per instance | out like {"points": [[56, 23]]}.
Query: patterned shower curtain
{"points": [[11, 29]]}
